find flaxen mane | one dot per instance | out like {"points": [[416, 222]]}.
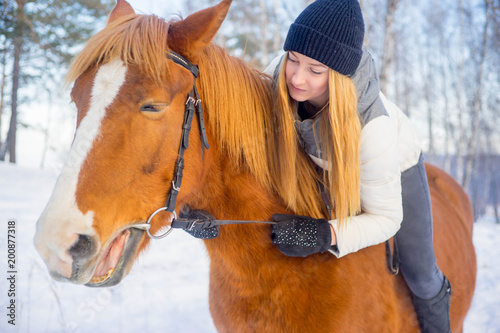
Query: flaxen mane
{"points": [[135, 39], [240, 118]]}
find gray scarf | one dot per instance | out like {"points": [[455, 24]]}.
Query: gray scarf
{"points": [[370, 105]]}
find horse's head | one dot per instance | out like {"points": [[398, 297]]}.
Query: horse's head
{"points": [[130, 98]]}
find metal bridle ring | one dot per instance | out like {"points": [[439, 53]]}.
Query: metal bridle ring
{"points": [[149, 222]]}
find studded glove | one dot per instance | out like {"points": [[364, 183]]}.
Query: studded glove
{"points": [[300, 236], [206, 233]]}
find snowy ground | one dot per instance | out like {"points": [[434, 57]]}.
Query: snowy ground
{"points": [[167, 290]]}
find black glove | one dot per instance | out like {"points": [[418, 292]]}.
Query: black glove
{"points": [[206, 233], [300, 236]]}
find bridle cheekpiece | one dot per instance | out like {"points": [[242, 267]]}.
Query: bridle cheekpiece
{"points": [[193, 104]]}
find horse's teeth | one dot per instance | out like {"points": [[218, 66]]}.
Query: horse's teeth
{"points": [[102, 278], [110, 271]]}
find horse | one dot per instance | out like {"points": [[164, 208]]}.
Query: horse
{"points": [[131, 91]]}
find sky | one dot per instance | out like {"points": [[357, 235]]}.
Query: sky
{"points": [[158, 7]]}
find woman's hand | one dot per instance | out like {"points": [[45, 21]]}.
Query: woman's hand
{"points": [[207, 233], [300, 236]]}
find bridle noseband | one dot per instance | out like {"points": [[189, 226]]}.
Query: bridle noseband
{"points": [[193, 104]]}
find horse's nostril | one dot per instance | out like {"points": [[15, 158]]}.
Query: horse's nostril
{"points": [[83, 247]]}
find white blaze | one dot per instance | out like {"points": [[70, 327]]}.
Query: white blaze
{"points": [[61, 222]]}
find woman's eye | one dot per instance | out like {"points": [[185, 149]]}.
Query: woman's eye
{"points": [[153, 107]]}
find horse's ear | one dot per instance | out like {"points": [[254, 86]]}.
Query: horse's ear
{"points": [[190, 36], [122, 8]]}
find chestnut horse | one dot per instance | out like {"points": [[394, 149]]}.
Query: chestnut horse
{"points": [[131, 99]]}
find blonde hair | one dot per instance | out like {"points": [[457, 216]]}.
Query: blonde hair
{"points": [[339, 140]]}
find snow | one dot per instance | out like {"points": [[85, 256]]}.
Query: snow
{"points": [[167, 289]]}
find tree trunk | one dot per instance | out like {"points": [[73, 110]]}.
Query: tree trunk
{"points": [[443, 65], [430, 111], [11, 137], [492, 173], [46, 132], [263, 31], [277, 33], [428, 72], [18, 44], [388, 47], [494, 189], [476, 109], [461, 142], [2, 89]]}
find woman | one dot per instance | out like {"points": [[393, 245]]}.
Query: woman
{"points": [[370, 156]]}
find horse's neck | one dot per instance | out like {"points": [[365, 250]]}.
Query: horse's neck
{"points": [[251, 282], [236, 195]]}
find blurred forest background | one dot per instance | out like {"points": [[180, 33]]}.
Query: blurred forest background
{"points": [[439, 61]]}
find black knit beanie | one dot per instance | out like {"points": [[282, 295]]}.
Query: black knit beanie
{"points": [[331, 32]]}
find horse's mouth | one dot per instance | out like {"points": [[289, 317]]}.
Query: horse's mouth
{"points": [[116, 259]]}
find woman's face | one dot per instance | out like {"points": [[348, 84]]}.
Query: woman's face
{"points": [[306, 79]]}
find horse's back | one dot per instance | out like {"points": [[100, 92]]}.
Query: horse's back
{"points": [[455, 254], [448, 188]]}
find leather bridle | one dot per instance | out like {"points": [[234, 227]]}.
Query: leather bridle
{"points": [[193, 104]]}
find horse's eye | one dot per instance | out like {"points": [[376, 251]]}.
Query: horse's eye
{"points": [[158, 107]]}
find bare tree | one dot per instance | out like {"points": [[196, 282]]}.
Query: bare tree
{"points": [[18, 44], [460, 92], [388, 45], [3, 80], [277, 31], [47, 36], [477, 102], [263, 30]]}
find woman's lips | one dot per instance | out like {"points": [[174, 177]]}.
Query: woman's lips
{"points": [[294, 88]]}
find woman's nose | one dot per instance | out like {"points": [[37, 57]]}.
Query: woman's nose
{"points": [[298, 77]]}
